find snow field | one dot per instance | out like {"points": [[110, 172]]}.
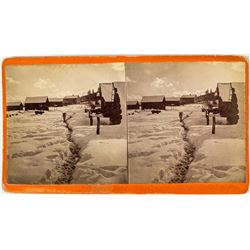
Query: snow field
{"points": [[36, 144], [43, 149], [155, 146], [158, 148]]}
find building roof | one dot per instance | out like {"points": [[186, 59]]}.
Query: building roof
{"points": [[55, 99], [14, 104], [156, 98], [172, 99], [132, 102], [224, 91], [188, 96], [37, 99], [71, 97], [107, 90]]}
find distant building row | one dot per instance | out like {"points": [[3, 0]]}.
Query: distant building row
{"points": [[160, 102], [43, 103]]}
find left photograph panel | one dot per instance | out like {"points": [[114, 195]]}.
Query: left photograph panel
{"points": [[66, 124]]}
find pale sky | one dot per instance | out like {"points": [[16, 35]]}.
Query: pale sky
{"points": [[169, 78], [178, 78], [59, 80]]}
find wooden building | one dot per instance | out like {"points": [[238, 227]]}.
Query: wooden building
{"points": [[188, 99], [38, 102], [11, 106], [173, 101], [71, 99], [55, 102], [153, 102], [133, 105]]}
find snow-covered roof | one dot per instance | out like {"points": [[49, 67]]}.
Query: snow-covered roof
{"points": [[37, 99], [156, 98], [224, 91], [132, 102], [55, 99], [14, 104], [173, 99], [107, 89]]}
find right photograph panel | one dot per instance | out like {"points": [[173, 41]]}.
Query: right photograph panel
{"points": [[186, 122]]}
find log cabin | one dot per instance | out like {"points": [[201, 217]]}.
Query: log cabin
{"points": [[11, 106], [37, 103], [153, 102]]}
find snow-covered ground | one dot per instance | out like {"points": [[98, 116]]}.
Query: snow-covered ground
{"points": [[103, 158], [219, 157], [156, 147], [36, 144], [41, 146]]}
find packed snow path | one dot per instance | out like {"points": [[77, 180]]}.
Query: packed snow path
{"points": [[68, 166], [156, 145], [181, 168]]}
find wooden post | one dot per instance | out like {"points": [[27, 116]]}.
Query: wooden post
{"points": [[64, 117], [180, 116], [214, 123], [98, 125], [90, 119], [207, 117]]}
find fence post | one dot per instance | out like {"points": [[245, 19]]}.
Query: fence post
{"points": [[207, 117], [214, 122], [98, 125], [180, 116], [64, 117], [90, 119]]}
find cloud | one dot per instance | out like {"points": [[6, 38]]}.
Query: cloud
{"points": [[15, 98], [44, 84], [180, 93], [169, 85], [157, 83], [11, 80], [200, 92], [160, 83], [118, 66]]}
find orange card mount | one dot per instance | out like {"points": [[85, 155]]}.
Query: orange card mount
{"points": [[126, 124]]}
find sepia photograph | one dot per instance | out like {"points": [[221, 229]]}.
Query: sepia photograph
{"points": [[66, 124], [125, 125], [121, 123], [186, 122]]}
